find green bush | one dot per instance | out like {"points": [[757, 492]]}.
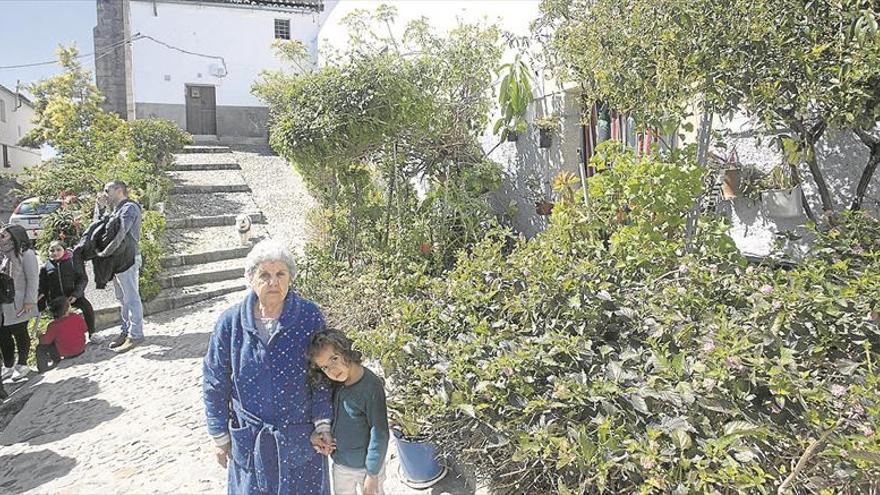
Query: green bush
{"points": [[152, 251], [615, 355], [155, 140], [66, 224]]}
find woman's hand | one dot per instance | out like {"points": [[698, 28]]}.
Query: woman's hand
{"points": [[371, 485], [323, 442], [222, 453], [25, 308]]}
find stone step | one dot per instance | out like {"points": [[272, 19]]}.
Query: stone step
{"points": [[207, 205], [205, 148], [203, 158], [217, 271], [205, 257], [170, 299], [216, 188], [206, 177], [211, 221], [197, 240], [190, 167]]}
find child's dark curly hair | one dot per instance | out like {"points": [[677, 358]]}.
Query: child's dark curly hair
{"points": [[330, 337]]}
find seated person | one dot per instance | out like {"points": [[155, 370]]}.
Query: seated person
{"points": [[65, 337]]}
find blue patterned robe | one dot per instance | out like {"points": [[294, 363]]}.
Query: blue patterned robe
{"points": [[260, 395]]}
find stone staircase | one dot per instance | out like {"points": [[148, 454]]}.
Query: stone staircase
{"points": [[205, 258]]}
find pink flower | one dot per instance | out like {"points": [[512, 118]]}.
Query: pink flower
{"points": [[766, 289], [838, 390]]}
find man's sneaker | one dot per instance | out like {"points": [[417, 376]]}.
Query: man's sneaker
{"points": [[118, 340], [127, 345], [5, 373], [19, 371]]}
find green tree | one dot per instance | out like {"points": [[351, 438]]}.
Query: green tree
{"points": [[797, 66], [383, 115]]}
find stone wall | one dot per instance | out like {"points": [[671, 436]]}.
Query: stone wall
{"points": [[524, 161], [113, 57]]}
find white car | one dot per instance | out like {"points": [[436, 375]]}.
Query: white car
{"points": [[29, 214]]}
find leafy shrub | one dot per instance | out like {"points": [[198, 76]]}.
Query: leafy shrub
{"points": [[611, 355], [66, 224], [155, 140], [152, 251]]}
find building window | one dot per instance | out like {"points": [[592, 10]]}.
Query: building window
{"points": [[2, 110], [282, 29]]}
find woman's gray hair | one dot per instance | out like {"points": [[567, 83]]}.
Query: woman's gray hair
{"points": [[268, 250]]}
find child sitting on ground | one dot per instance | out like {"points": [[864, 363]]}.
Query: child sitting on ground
{"points": [[360, 416], [65, 338]]}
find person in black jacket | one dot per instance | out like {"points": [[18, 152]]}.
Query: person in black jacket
{"points": [[62, 276]]}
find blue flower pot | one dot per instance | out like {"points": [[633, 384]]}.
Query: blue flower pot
{"points": [[418, 462]]}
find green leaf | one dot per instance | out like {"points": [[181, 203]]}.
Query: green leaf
{"points": [[681, 438]]}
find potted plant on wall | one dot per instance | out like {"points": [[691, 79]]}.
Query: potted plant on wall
{"points": [[543, 203], [731, 176], [546, 126], [514, 96], [780, 197]]}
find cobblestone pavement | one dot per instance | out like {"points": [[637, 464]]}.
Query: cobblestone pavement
{"points": [[279, 193]]}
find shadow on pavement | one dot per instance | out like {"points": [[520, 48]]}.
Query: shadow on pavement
{"points": [[186, 346], [29, 470], [57, 410]]}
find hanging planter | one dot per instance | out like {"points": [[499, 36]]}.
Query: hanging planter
{"points": [[783, 203], [545, 137], [544, 208], [419, 467], [546, 125], [512, 136], [730, 183]]}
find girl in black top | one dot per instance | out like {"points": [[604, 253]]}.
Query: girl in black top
{"points": [[61, 277]]}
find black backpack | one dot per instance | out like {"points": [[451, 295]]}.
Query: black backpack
{"points": [[7, 289]]}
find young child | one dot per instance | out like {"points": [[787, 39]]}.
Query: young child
{"points": [[62, 276], [360, 416], [65, 338]]}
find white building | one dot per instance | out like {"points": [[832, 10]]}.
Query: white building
{"points": [[194, 62], [16, 119]]}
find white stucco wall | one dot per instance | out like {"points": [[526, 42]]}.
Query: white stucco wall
{"points": [[841, 157], [242, 36], [18, 121]]}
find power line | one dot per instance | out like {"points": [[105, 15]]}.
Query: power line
{"points": [[112, 48]]}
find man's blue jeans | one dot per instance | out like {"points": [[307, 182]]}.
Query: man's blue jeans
{"points": [[129, 297]]}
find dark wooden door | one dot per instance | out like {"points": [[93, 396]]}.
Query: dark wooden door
{"points": [[201, 110]]}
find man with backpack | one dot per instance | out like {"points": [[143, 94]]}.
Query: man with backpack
{"points": [[115, 203]]}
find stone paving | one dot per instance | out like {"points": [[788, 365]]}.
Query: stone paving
{"points": [[134, 423]]}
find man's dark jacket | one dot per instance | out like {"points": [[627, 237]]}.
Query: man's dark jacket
{"points": [[97, 237]]}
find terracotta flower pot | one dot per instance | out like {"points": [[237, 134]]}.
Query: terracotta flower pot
{"points": [[544, 208], [730, 183]]}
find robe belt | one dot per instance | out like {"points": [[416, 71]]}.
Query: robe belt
{"points": [[267, 433]]}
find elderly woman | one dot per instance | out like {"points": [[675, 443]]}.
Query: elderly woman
{"points": [[263, 414], [19, 262]]}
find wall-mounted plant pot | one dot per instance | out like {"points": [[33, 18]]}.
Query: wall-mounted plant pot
{"points": [[545, 137], [419, 467], [512, 136], [783, 203], [730, 183], [544, 208]]}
